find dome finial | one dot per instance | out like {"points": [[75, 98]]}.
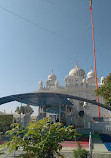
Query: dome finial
{"points": [[76, 63], [73, 62], [52, 71], [91, 67]]}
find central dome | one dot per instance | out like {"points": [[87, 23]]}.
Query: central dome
{"points": [[77, 71], [51, 77]]}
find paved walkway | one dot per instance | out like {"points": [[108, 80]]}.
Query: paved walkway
{"points": [[99, 151], [6, 154], [99, 146]]}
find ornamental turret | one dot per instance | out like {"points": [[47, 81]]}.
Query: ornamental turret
{"points": [[90, 77], [40, 85], [52, 81]]}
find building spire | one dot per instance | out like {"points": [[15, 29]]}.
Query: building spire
{"points": [[73, 62], [52, 71], [76, 63]]}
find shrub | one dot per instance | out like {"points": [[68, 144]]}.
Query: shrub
{"points": [[41, 139], [80, 152]]}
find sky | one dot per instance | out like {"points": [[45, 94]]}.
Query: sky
{"points": [[38, 36]]}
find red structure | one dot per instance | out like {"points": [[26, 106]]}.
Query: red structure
{"points": [[94, 55]]}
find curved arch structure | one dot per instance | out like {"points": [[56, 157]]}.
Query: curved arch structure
{"points": [[46, 98]]}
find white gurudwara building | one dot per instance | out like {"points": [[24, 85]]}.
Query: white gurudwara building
{"points": [[81, 114]]}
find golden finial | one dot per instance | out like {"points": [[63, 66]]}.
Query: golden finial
{"points": [[90, 2]]}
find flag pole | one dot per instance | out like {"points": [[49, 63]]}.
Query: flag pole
{"points": [[94, 55]]}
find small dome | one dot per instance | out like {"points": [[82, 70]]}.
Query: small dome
{"points": [[56, 83], [102, 79], [84, 80], [77, 71], [51, 77], [66, 78], [40, 83], [91, 73]]}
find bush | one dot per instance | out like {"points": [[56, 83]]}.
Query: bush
{"points": [[80, 152], [41, 139], [4, 127]]}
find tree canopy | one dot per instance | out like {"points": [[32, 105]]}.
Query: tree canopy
{"points": [[105, 90], [24, 109], [40, 139]]}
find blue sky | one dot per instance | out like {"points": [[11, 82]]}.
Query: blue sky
{"points": [[37, 36]]}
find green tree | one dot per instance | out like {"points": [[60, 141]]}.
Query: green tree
{"points": [[80, 152], [4, 127], [23, 109], [5, 122], [40, 139], [105, 90]]}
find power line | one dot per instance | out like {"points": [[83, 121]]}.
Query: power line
{"points": [[33, 23]]}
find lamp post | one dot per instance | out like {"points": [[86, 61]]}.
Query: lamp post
{"points": [[90, 146], [20, 112]]}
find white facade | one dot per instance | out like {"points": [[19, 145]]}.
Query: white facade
{"points": [[81, 85]]}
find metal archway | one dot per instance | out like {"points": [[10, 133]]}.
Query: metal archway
{"points": [[46, 98]]}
